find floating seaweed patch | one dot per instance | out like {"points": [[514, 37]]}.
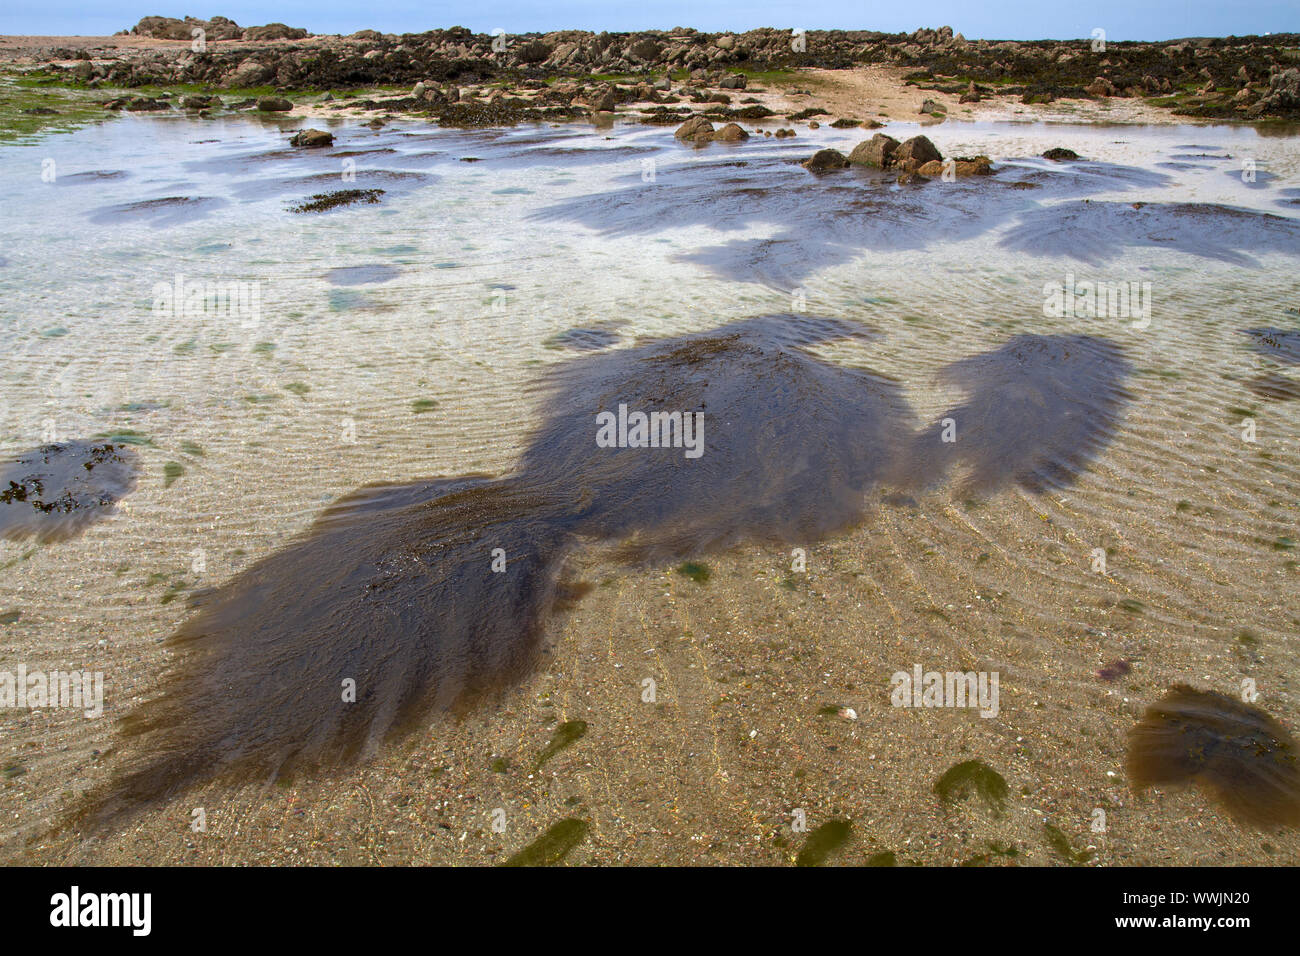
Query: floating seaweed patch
{"points": [[322, 202], [54, 492]]}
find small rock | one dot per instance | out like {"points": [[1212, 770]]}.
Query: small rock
{"points": [[825, 159], [274, 104], [731, 133], [312, 138]]}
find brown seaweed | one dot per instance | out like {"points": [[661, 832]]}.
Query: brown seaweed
{"points": [[54, 492], [1238, 753]]}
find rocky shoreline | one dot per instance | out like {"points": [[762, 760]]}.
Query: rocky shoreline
{"points": [[468, 79]]}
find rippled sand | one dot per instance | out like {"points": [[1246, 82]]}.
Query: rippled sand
{"points": [[399, 341]]}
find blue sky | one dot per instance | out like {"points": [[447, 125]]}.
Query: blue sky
{"points": [[991, 19]]}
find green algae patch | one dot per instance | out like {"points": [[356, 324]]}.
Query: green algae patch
{"points": [[171, 471], [421, 405], [125, 436], [996, 852], [552, 846], [827, 839], [885, 858], [695, 570], [973, 776], [565, 736], [1060, 843], [28, 112]]}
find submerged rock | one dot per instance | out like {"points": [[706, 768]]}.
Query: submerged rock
{"points": [[53, 492], [321, 202]]}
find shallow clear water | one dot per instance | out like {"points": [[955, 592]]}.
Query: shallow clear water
{"points": [[398, 340]]}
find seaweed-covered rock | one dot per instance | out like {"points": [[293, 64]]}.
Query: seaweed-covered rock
{"points": [[1060, 153]]}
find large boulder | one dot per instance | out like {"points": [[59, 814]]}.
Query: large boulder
{"points": [[914, 153], [222, 28], [695, 130], [249, 73], [1282, 96], [604, 101], [274, 31], [877, 151], [646, 49], [164, 28], [274, 104], [975, 166], [169, 28]]}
